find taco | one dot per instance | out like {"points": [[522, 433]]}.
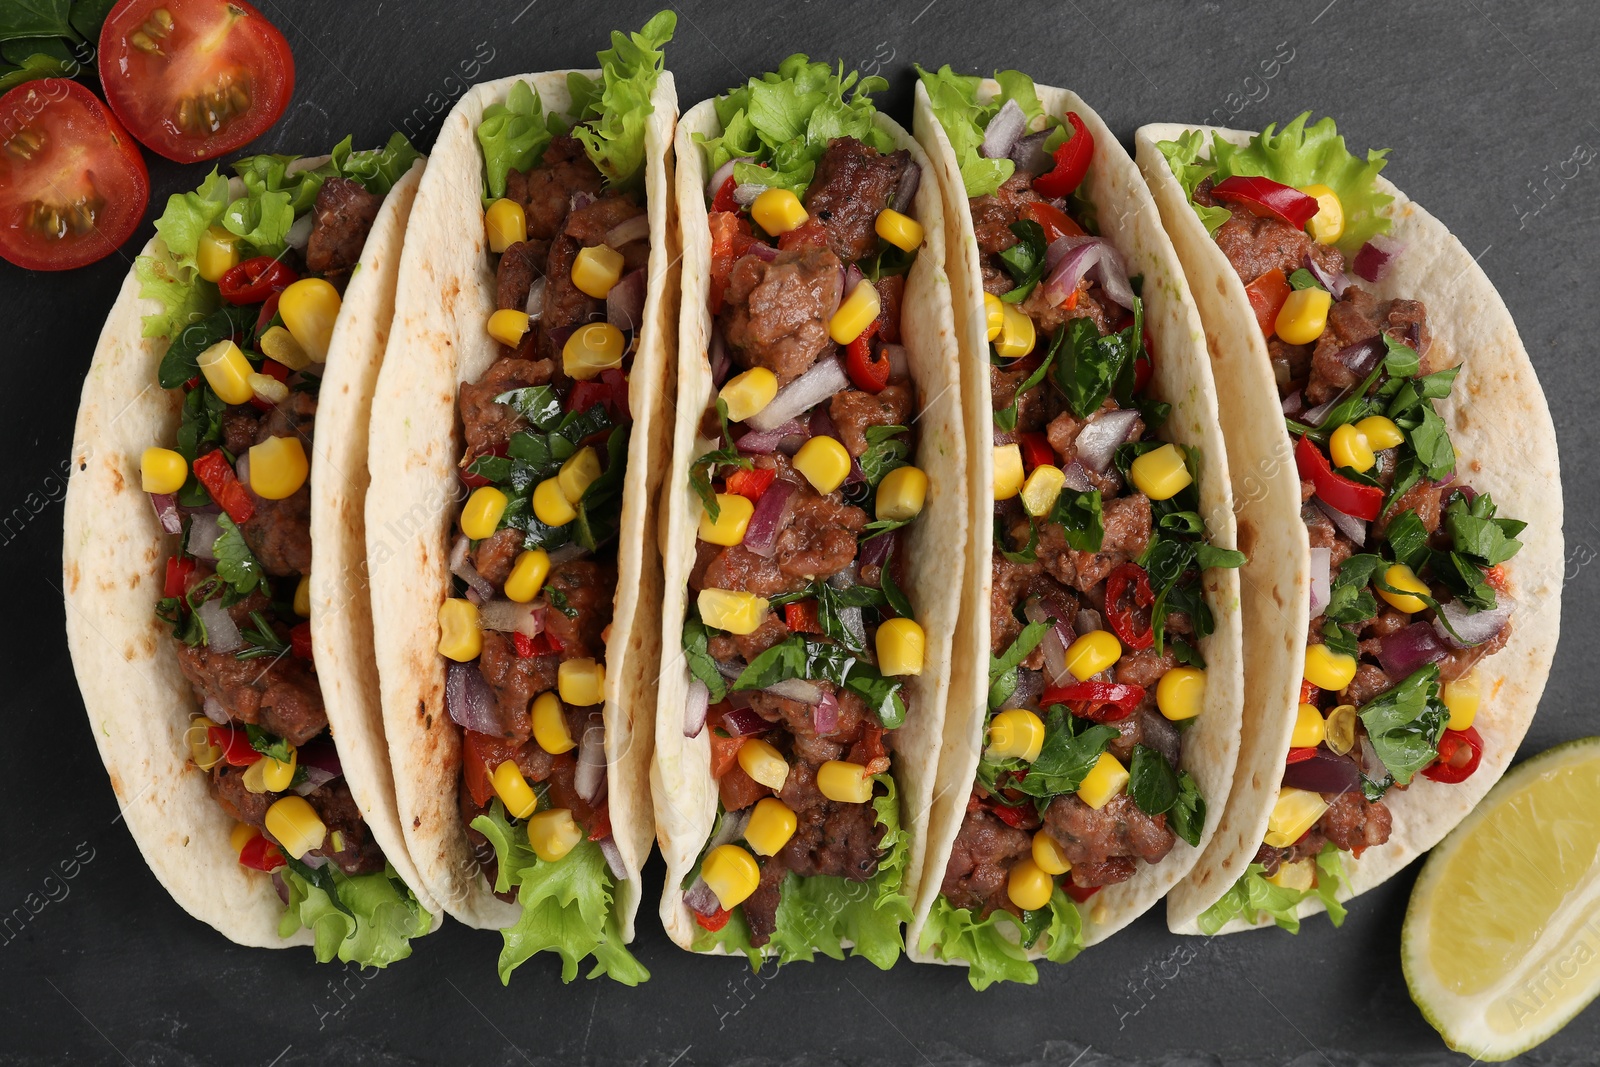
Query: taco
{"points": [[517, 431], [221, 636], [815, 510], [1388, 420], [1086, 768]]}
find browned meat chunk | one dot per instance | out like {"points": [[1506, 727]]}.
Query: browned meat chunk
{"points": [[1324, 534], [514, 680], [1119, 829], [852, 184], [1425, 498], [545, 192], [1005, 380], [1255, 245], [343, 215], [991, 224], [565, 305], [358, 852], [589, 588], [241, 805], [1114, 870], [738, 568], [1009, 583], [238, 429], [853, 411], [1127, 533], [1291, 364], [770, 632], [1359, 316], [1145, 667], [496, 554], [279, 694], [831, 838], [486, 424], [1369, 683], [775, 315], [980, 860], [1354, 823], [520, 266], [588, 225], [1461, 661], [761, 907], [1047, 317], [279, 532]]}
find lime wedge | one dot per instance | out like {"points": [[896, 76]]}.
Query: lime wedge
{"points": [[1501, 943]]}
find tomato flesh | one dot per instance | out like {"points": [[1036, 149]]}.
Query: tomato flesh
{"points": [[194, 79], [72, 183]]}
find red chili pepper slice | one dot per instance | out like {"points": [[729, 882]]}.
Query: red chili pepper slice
{"points": [[1011, 816], [179, 568], [259, 854], [1267, 295], [1460, 752], [867, 374], [269, 311], [1132, 632], [1080, 895], [1096, 701], [300, 640], [1299, 755], [1036, 450], [254, 280], [473, 480], [801, 617], [235, 745], [1051, 219], [1361, 501], [724, 200], [610, 389], [719, 918], [1072, 162], [216, 474], [1308, 691], [1263, 196], [751, 484]]}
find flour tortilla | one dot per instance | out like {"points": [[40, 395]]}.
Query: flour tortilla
{"points": [[1505, 444], [685, 794], [113, 560], [446, 293], [1182, 377]]}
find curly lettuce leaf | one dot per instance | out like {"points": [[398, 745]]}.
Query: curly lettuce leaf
{"points": [[614, 114], [955, 104], [371, 923], [513, 135], [992, 948], [1183, 156], [177, 289], [1252, 896], [566, 905]]}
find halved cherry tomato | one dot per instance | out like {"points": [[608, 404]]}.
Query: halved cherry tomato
{"points": [[72, 183], [1362, 501], [1132, 632], [194, 79], [724, 200], [1299, 755], [810, 232], [738, 790], [235, 744], [801, 617], [719, 918], [1460, 752], [751, 484], [528, 647], [1051, 219], [610, 390], [1267, 295], [1036, 450], [300, 640], [730, 237], [1073, 157], [724, 749], [178, 570], [255, 280], [1265, 197], [867, 374], [259, 854], [480, 755], [215, 473], [1095, 701]]}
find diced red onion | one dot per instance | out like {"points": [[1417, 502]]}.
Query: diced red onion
{"points": [[1100, 437], [1077, 479], [461, 566], [694, 709], [221, 633], [625, 301], [1003, 131], [1087, 621], [535, 302], [1375, 257], [906, 192], [899, 364], [1406, 651], [313, 861], [1030, 686], [720, 176], [628, 231], [591, 772], [299, 232], [280, 887], [852, 278], [241, 468], [797, 689], [1029, 154], [1314, 416], [825, 378], [730, 669], [1076, 257], [1324, 773], [167, 513], [761, 532], [558, 336], [469, 700], [1371, 765], [1334, 282], [613, 855], [203, 533], [1004, 437], [508, 616], [1294, 403], [763, 251], [744, 722], [701, 900], [745, 194], [1320, 582], [1055, 642], [765, 442], [1363, 356], [579, 200], [717, 355], [1475, 627], [215, 711], [875, 551], [1349, 525], [316, 778], [825, 714], [321, 754]]}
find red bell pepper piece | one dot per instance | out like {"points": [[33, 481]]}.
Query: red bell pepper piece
{"points": [[1036, 450], [801, 617], [1072, 162], [600, 822], [1263, 196], [1132, 632], [1267, 295], [1011, 816], [480, 755], [1352, 498], [1144, 364], [300, 640], [235, 745], [724, 200], [1078, 894], [724, 749], [254, 280], [1460, 752], [216, 474], [1096, 701], [751, 484], [610, 390], [867, 374], [738, 790], [179, 568], [1051, 219], [719, 918], [259, 854], [1299, 755], [730, 237]]}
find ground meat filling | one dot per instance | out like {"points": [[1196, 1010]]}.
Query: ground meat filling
{"points": [[486, 424], [546, 191], [278, 693], [341, 219], [279, 532], [980, 860], [775, 314], [1117, 833]]}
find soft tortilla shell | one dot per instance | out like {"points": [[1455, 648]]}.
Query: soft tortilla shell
{"points": [[685, 794], [445, 295], [1182, 377], [1505, 444]]}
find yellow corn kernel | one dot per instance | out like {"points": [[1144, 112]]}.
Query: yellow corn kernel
{"points": [[778, 211], [481, 515], [1402, 577], [201, 750], [460, 632], [1309, 729], [1295, 812], [550, 504], [1349, 448], [161, 470], [855, 314], [527, 575], [1181, 693], [241, 835], [596, 269], [731, 611], [1327, 669], [1462, 696], [902, 231], [824, 462], [578, 473], [268, 388], [770, 827], [302, 597], [294, 823], [1028, 886], [733, 517], [1340, 729], [279, 345], [506, 224], [550, 725], [1381, 433], [513, 790], [278, 468], [763, 763], [1304, 316], [731, 873], [901, 646], [254, 777], [309, 308], [1017, 335], [746, 394], [901, 494], [1105, 780], [1048, 854], [508, 325], [217, 254], [1092, 653], [1007, 471], [845, 783], [277, 775], [1016, 733], [994, 315], [1040, 491], [227, 372], [1327, 225], [1301, 874], [1161, 473], [581, 682], [591, 349], [554, 833]]}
